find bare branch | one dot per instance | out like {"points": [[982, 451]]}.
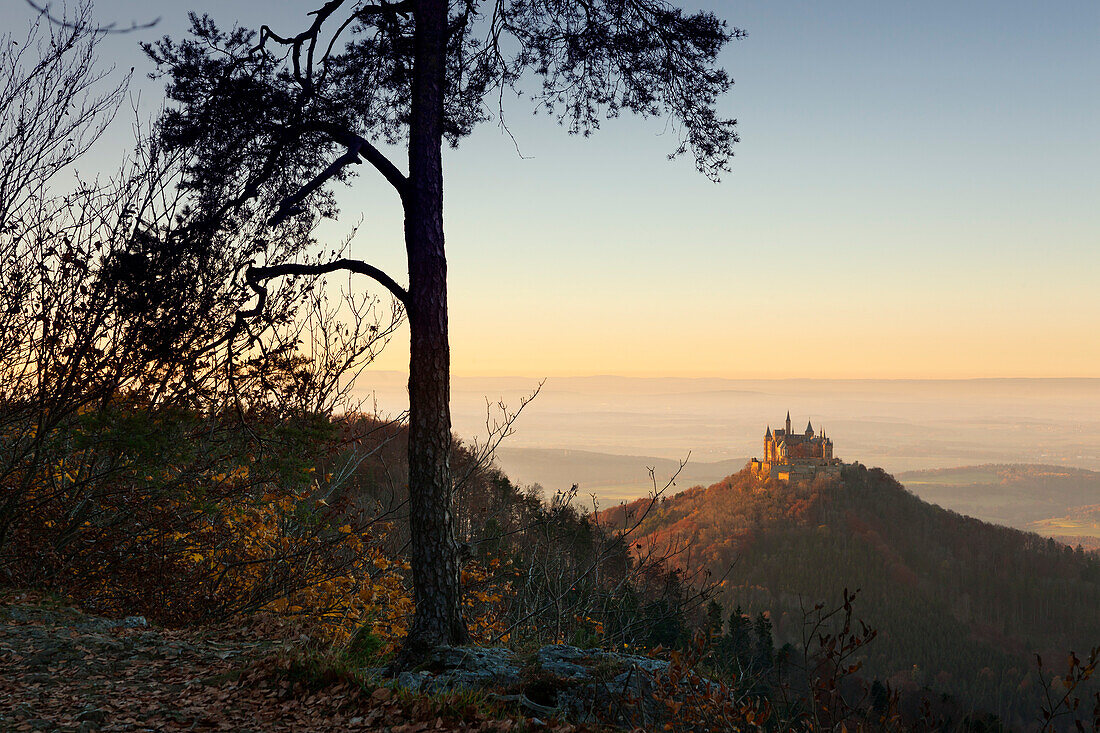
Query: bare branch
{"points": [[289, 205], [357, 146], [255, 276], [371, 154], [44, 10]]}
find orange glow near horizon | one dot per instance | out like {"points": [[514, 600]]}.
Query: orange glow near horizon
{"points": [[696, 353]]}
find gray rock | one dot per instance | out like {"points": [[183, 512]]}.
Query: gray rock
{"points": [[469, 667], [584, 685], [413, 681], [559, 660], [647, 664]]}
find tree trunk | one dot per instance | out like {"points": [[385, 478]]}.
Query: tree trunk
{"points": [[434, 548]]}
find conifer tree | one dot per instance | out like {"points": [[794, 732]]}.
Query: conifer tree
{"points": [[270, 120], [764, 648], [714, 618]]}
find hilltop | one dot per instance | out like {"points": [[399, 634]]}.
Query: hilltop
{"points": [[961, 605]]}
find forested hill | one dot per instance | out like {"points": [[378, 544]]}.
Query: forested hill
{"points": [[961, 605]]}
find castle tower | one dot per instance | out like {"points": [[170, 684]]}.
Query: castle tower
{"points": [[790, 456]]}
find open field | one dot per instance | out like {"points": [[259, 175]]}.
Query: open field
{"points": [[1053, 501]]}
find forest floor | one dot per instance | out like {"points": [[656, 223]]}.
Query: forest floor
{"points": [[62, 670]]}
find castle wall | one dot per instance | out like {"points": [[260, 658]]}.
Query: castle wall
{"points": [[798, 456]]}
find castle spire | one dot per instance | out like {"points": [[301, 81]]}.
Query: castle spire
{"points": [[769, 433], [788, 422], [809, 428]]}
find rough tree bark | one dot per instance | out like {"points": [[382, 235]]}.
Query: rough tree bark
{"points": [[436, 587]]}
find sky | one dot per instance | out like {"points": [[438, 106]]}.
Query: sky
{"points": [[915, 196]]}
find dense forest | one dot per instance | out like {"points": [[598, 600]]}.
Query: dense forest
{"points": [[961, 606]]}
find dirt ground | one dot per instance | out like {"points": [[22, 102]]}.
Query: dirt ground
{"points": [[61, 670]]}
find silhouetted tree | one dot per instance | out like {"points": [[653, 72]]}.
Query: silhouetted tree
{"points": [[269, 120], [714, 618], [739, 642], [765, 645]]}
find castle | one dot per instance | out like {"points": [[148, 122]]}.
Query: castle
{"points": [[788, 455]]}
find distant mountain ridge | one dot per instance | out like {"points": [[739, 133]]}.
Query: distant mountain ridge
{"points": [[1048, 499], [961, 605], [613, 477]]}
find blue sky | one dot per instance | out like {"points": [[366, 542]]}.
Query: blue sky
{"points": [[915, 195]]}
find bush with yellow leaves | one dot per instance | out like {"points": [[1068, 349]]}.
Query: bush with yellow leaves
{"points": [[185, 517]]}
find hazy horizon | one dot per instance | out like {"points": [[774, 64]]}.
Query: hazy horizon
{"points": [[899, 425]]}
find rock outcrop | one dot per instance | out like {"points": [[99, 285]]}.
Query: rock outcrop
{"points": [[564, 681]]}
